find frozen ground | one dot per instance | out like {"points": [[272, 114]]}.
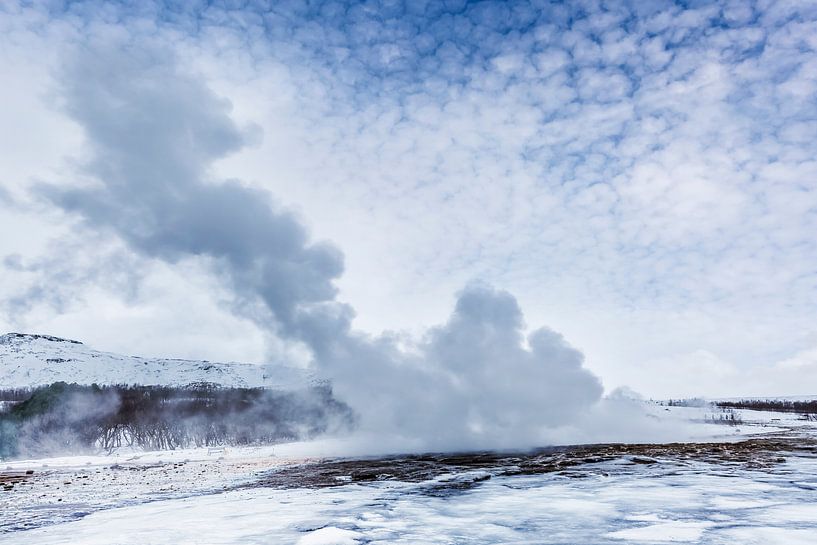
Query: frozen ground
{"points": [[759, 491]]}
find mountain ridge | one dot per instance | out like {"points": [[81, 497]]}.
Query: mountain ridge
{"points": [[30, 360]]}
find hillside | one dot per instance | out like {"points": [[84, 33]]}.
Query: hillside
{"points": [[31, 360]]}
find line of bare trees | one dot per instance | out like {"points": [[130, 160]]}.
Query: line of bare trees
{"points": [[69, 417], [775, 405]]}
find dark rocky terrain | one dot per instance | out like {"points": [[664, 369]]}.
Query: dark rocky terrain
{"points": [[465, 470]]}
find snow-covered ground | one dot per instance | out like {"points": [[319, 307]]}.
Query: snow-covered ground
{"points": [[196, 496], [33, 360], [695, 504]]}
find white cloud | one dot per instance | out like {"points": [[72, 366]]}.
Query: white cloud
{"points": [[651, 176]]}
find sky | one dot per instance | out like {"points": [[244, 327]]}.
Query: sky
{"points": [[252, 181]]}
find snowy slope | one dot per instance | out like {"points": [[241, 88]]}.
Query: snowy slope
{"points": [[32, 360]]}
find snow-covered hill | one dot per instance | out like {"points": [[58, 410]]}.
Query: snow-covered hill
{"points": [[31, 360]]}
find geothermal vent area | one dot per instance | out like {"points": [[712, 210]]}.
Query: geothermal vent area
{"points": [[745, 473]]}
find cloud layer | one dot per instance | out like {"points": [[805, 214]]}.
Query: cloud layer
{"points": [[641, 175]]}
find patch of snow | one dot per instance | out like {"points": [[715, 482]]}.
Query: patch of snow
{"points": [[665, 532], [330, 536], [779, 535]]}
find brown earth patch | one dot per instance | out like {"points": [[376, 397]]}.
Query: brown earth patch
{"points": [[757, 454]]}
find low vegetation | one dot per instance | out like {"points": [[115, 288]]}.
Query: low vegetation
{"points": [[775, 405], [727, 416]]}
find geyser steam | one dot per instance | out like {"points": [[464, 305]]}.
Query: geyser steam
{"points": [[153, 132]]}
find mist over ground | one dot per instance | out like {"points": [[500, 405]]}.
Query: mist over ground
{"points": [[62, 418]]}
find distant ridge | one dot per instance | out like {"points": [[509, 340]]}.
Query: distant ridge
{"points": [[9, 337], [29, 360]]}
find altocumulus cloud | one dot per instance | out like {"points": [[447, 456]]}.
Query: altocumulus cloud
{"points": [[647, 164]]}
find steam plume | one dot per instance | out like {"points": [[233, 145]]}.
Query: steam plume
{"points": [[153, 132]]}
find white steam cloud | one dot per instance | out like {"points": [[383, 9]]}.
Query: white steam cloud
{"points": [[476, 381]]}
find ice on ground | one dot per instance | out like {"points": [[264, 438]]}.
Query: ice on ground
{"points": [[685, 505], [330, 536], [770, 536], [670, 532]]}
